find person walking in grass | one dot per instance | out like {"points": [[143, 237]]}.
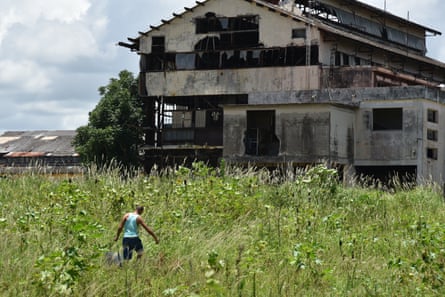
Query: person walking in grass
{"points": [[130, 224]]}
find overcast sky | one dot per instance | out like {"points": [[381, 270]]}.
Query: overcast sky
{"points": [[55, 54]]}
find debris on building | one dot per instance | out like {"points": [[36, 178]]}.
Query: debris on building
{"points": [[293, 83]]}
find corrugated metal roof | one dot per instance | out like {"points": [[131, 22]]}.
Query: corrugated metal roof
{"points": [[41, 142]]}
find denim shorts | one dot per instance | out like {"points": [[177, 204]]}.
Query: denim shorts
{"points": [[131, 243]]}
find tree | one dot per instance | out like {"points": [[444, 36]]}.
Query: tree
{"points": [[113, 132]]}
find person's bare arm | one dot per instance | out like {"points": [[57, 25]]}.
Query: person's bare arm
{"points": [[141, 222], [121, 226]]}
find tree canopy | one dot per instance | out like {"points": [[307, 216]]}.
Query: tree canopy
{"points": [[113, 132]]}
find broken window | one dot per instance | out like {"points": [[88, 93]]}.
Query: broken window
{"points": [[432, 135], [260, 138], [387, 119], [235, 32], [226, 59], [209, 43], [433, 116], [431, 153]]}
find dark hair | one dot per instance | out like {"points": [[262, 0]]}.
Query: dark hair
{"points": [[140, 208]]}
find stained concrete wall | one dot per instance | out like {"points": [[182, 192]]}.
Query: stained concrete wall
{"points": [[429, 168], [304, 133], [406, 147], [239, 81], [392, 147], [342, 135], [235, 125], [307, 132]]}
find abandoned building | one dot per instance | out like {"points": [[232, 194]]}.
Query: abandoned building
{"points": [[270, 83], [49, 152]]}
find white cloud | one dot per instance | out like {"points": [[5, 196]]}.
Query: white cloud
{"points": [[28, 11], [66, 11], [77, 118], [410, 9], [27, 74], [62, 43], [55, 31], [70, 116]]}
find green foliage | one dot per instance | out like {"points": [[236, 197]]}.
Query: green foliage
{"points": [[113, 132], [223, 232]]}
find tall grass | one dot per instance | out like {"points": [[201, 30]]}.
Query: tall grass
{"points": [[223, 232]]}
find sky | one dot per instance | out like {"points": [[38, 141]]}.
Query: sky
{"points": [[55, 54]]}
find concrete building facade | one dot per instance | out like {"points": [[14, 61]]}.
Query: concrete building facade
{"points": [[293, 83]]}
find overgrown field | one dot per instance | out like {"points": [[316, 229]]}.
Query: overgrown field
{"points": [[223, 232]]}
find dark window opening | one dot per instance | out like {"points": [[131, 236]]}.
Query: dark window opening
{"points": [[433, 116], [431, 153], [337, 59], [384, 33], [226, 59], [387, 119], [260, 138], [158, 44], [432, 135], [211, 23], [238, 40], [388, 175], [207, 60], [298, 33], [345, 60]]}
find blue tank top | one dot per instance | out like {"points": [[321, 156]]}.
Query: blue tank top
{"points": [[131, 226]]}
